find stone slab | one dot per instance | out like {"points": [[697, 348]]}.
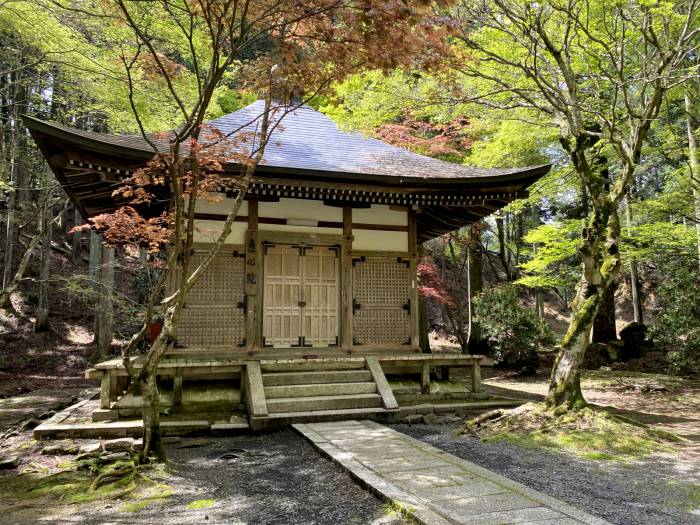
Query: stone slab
{"points": [[432, 486]]}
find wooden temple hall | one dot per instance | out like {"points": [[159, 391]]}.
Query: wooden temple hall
{"points": [[312, 306]]}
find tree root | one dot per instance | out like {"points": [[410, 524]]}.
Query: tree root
{"points": [[126, 470]]}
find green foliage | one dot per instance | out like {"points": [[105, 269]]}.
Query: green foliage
{"points": [[128, 315], [678, 322], [145, 278], [514, 333], [556, 263], [230, 100], [507, 142]]}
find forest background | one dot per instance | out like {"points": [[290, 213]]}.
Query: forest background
{"points": [[521, 266]]}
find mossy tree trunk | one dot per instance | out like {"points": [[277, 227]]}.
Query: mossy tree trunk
{"points": [[692, 109], [601, 264], [604, 329]]}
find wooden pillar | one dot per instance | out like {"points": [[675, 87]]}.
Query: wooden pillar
{"points": [[346, 281], [94, 277], [414, 317], [425, 378], [105, 314], [105, 389], [252, 264], [476, 378], [77, 236], [177, 387]]}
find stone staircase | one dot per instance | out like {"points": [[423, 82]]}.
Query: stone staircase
{"points": [[296, 394]]}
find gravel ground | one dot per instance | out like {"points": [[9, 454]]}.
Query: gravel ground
{"points": [[274, 478], [642, 493]]}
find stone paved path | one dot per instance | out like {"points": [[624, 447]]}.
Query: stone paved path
{"points": [[435, 487]]}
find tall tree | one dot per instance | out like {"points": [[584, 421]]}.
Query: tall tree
{"points": [[599, 71]]}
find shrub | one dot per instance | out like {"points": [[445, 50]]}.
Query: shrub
{"points": [[514, 333], [676, 326]]}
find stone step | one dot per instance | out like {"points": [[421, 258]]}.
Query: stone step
{"points": [[300, 365], [317, 403], [316, 377], [282, 419], [327, 389]]}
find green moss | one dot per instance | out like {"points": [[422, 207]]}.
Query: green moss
{"points": [[692, 491], [157, 492], [200, 504], [586, 433]]}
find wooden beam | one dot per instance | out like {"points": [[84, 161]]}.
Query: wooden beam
{"points": [[383, 387], [255, 392], [252, 276], [476, 378], [425, 378], [346, 281], [177, 387], [105, 389], [414, 318]]}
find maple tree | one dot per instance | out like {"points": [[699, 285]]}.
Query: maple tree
{"points": [[287, 52]]}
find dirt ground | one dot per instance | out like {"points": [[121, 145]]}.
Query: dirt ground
{"points": [[275, 478]]}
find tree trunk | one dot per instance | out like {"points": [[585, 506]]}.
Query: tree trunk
{"points": [[94, 277], [11, 237], [150, 412], [604, 329], [692, 109], [6, 293], [634, 277], [41, 323], [105, 313], [77, 237], [601, 264], [502, 255], [476, 282]]}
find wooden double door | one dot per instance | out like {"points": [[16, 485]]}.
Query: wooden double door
{"points": [[301, 296]]}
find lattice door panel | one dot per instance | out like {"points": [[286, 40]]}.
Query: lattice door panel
{"points": [[214, 313], [281, 298], [211, 326], [381, 305], [320, 296]]}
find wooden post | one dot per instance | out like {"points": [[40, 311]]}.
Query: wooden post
{"points": [[105, 390], [346, 281], [177, 387], [94, 277], [476, 378], [383, 387], [425, 378], [77, 236], [105, 313], [414, 317], [255, 392], [252, 262], [114, 382]]}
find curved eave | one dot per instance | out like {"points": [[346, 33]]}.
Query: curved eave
{"points": [[38, 126], [524, 176]]}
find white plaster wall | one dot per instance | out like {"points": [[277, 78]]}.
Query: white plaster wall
{"points": [[298, 229], [380, 214], [370, 240], [299, 209], [374, 240], [209, 231], [222, 207]]}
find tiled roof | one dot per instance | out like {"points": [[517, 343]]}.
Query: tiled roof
{"points": [[305, 140]]}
